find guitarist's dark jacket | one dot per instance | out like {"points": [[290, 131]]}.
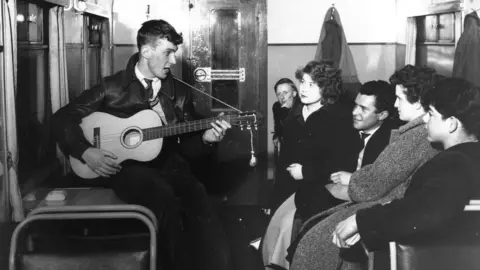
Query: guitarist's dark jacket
{"points": [[123, 95]]}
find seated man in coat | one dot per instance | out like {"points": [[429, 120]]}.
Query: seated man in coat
{"points": [[371, 115], [441, 188], [374, 116]]}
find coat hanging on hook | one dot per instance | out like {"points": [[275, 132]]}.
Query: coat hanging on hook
{"points": [[333, 46], [466, 61]]}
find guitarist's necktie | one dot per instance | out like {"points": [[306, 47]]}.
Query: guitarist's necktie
{"points": [[155, 102], [149, 89]]}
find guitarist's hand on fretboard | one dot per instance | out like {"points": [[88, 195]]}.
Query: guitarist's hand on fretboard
{"points": [[217, 132], [101, 161]]}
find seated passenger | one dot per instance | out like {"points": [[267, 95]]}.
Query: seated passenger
{"points": [[441, 187], [147, 83], [319, 138], [373, 118], [385, 179], [287, 96]]}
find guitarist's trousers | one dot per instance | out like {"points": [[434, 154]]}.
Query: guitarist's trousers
{"points": [[189, 229]]}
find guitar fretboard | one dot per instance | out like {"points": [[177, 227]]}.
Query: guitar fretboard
{"points": [[181, 128]]}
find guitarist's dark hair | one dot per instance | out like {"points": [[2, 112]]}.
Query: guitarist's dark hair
{"points": [[153, 30]]}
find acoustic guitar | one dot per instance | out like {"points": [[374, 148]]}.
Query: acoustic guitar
{"points": [[140, 137]]}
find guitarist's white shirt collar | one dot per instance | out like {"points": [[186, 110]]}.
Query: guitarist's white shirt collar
{"points": [[156, 84]]}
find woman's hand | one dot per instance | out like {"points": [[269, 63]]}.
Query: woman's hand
{"points": [[342, 178], [295, 171]]}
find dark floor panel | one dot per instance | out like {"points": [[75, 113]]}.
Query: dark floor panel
{"points": [[244, 224]]}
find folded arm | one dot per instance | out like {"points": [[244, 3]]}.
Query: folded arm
{"points": [[443, 193]]}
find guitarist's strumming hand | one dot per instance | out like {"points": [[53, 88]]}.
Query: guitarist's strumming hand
{"points": [[101, 161], [216, 133]]}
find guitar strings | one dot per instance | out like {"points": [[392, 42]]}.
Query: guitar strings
{"points": [[165, 128]]}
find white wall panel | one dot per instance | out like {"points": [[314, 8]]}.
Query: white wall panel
{"points": [[300, 21]]}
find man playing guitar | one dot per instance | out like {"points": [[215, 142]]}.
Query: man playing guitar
{"points": [[145, 84]]}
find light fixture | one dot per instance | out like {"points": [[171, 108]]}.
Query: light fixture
{"points": [[70, 5], [80, 5], [20, 17]]}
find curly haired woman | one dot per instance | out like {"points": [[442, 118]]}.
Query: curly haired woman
{"points": [[319, 139]]}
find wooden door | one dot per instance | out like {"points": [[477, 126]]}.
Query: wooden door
{"points": [[226, 57]]}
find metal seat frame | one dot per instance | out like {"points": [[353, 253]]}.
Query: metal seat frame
{"points": [[86, 212]]}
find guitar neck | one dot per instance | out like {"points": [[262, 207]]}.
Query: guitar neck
{"points": [[182, 128]]}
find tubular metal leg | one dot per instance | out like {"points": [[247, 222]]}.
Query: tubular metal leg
{"points": [[97, 208], [62, 216], [393, 255]]}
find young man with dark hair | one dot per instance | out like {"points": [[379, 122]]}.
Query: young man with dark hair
{"points": [[165, 185], [372, 117]]}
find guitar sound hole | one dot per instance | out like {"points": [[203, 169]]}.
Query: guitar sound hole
{"points": [[131, 138]]}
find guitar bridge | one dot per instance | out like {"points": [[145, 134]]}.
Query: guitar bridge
{"points": [[96, 137]]}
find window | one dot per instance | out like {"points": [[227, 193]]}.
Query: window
{"points": [[437, 28], [37, 150], [225, 42], [94, 28], [436, 36], [84, 50]]}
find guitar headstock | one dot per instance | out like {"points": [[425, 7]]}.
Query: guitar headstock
{"points": [[248, 119]]}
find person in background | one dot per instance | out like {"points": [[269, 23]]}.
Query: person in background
{"points": [[385, 179], [442, 187], [165, 185], [319, 139], [287, 97], [286, 93]]}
